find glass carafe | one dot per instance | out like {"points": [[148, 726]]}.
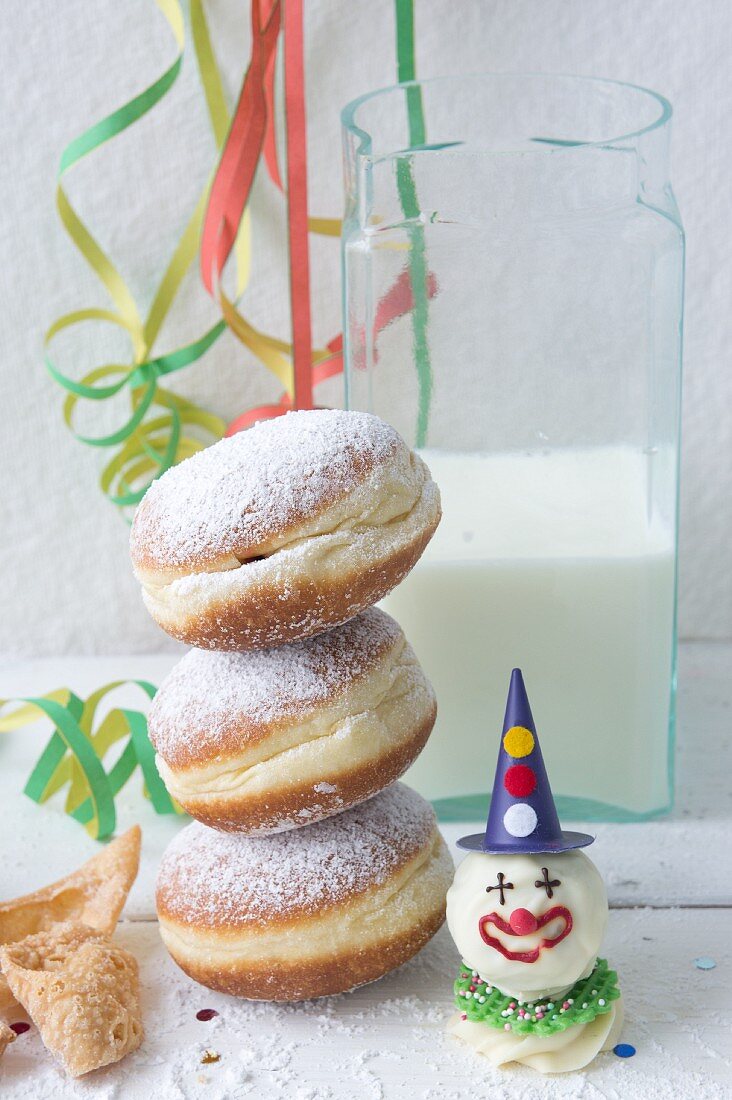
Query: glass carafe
{"points": [[513, 269]]}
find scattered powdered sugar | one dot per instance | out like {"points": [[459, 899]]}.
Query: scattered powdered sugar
{"points": [[394, 1031], [224, 879], [233, 496], [212, 698]]}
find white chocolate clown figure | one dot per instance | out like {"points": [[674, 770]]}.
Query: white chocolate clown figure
{"points": [[527, 910]]}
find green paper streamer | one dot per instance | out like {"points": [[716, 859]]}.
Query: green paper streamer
{"points": [[406, 71], [140, 377], [145, 753], [103, 817], [74, 755]]}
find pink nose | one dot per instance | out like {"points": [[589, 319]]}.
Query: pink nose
{"points": [[523, 922]]}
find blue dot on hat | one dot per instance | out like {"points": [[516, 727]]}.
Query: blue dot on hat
{"points": [[519, 819]]}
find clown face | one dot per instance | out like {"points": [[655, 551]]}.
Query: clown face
{"points": [[530, 924]]}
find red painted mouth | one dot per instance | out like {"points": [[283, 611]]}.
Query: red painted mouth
{"points": [[525, 956]]}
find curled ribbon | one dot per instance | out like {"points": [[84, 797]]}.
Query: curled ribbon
{"points": [[163, 428], [159, 429], [252, 136], [74, 755], [419, 274]]}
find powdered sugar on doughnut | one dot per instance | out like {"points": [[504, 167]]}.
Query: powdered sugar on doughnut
{"points": [[236, 497], [209, 695], [223, 879]]}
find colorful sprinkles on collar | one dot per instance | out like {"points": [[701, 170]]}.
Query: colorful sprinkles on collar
{"points": [[482, 1002], [624, 1050], [206, 1014]]}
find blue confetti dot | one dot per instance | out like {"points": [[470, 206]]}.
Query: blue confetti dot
{"points": [[704, 963], [624, 1050]]}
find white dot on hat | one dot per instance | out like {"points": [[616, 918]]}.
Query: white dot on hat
{"points": [[519, 819]]}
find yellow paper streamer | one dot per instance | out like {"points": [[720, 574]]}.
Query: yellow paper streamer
{"points": [[145, 448], [161, 428]]}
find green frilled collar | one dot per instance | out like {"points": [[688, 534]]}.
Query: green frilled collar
{"points": [[486, 1004]]}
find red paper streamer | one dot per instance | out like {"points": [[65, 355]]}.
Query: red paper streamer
{"points": [[235, 174], [252, 137], [297, 204]]}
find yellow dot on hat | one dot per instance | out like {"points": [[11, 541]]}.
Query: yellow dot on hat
{"points": [[518, 741]]}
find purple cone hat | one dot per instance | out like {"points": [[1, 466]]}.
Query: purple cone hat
{"points": [[522, 818]]}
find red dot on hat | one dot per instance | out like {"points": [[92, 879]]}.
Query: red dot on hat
{"points": [[519, 780]]}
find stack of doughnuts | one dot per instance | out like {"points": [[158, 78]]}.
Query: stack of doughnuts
{"points": [[309, 869]]}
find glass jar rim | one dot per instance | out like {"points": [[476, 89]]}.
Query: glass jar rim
{"points": [[348, 113]]}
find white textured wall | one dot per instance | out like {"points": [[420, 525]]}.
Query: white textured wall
{"points": [[66, 582]]}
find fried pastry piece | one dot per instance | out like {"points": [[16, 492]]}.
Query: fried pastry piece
{"points": [[94, 894], [80, 990], [7, 1036]]}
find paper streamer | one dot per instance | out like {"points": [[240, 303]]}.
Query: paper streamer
{"points": [[159, 429], [75, 754], [297, 204], [163, 428], [252, 136], [418, 271]]}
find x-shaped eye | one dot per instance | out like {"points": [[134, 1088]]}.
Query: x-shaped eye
{"points": [[501, 885], [546, 883]]}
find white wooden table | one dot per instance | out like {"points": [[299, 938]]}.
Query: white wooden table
{"points": [[670, 888]]}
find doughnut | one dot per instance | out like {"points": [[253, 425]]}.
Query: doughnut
{"points": [[308, 912], [272, 739], [282, 531]]}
